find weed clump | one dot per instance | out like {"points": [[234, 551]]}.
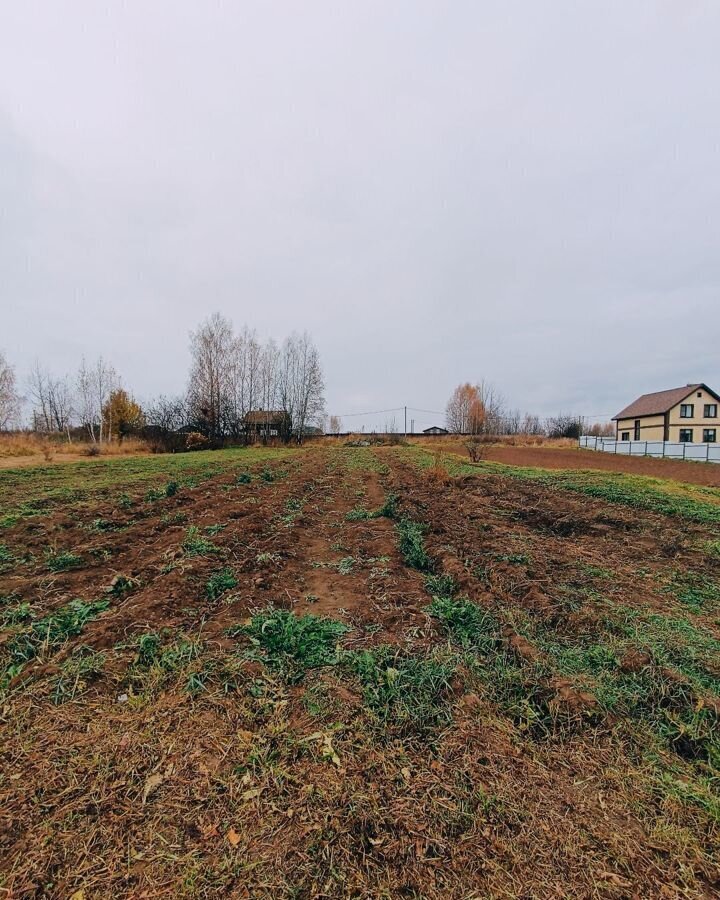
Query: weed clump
{"points": [[407, 695], [358, 514], [220, 582], [412, 545], [47, 633], [292, 645], [76, 673], [465, 623], [197, 545], [61, 562], [244, 478]]}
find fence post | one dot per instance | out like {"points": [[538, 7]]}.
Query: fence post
{"points": [[645, 448], [707, 453], [684, 446]]}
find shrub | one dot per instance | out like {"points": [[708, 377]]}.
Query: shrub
{"points": [[476, 449], [196, 441]]}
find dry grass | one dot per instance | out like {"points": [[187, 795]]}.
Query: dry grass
{"points": [[453, 443], [35, 445]]}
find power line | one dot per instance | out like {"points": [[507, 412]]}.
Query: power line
{"points": [[376, 412]]}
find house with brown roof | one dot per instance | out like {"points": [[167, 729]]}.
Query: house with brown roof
{"points": [[267, 423], [686, 414]]}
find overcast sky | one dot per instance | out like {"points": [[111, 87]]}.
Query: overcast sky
{"points": [[439, 192]]}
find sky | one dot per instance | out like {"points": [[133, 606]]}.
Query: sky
{"points": [[439, 192]]}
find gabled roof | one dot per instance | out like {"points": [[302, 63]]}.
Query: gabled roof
{"points": [[263, 416], [660, 402]]}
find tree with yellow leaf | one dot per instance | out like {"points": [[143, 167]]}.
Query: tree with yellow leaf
{"points": [[121, 415]]}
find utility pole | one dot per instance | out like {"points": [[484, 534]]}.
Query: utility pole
{"points": [[406, 421]]}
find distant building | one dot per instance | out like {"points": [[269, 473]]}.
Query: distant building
{"points": [[435, 429], [686, 414], [261, 424]]}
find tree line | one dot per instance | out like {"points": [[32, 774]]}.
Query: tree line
{"points": [[231, 374], [481, 408]]}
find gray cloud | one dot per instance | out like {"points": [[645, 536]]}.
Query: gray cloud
{"points": [[528, 192]]}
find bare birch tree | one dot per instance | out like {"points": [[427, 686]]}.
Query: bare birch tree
{"points": [[9, 397], [211, 346], [52, 400], [94, 385]]}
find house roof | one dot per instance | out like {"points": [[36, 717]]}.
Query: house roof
{"points": [[261, 416], [660, 402], [435, 428]]}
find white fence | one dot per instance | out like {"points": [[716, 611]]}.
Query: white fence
{"points": [[697, 452]]}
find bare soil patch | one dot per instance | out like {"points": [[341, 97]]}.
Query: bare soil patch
{"points": [[544, 458]]}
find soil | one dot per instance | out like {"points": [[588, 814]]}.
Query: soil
{"points": [[259, 786], [551, 458]]}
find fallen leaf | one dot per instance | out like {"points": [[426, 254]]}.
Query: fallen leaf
{"points": [[250, 795], [152, 783], [233, 837], [78, 895]]}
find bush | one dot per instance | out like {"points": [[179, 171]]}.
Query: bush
{"points": [[476, 449], [196, 441]]}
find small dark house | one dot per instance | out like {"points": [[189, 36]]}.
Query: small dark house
{"points": [[435, 429], [261, 424]]}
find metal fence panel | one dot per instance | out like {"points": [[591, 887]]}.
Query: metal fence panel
{"points": [[659, 449]]}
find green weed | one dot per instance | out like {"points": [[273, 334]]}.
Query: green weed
{"points": [[47, 633], [358, 514], [16, 615], [465, 623], [407, 695], [695, 590], [5, 555], [412, 545], [76, 673], [220, 582], [61, 562], [292, 645], [197, 545]]}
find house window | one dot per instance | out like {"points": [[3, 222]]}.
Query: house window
{"points": [[637, 430], [709, 435], [624, 435], [687, 410], [710, 411], [686, 435]]}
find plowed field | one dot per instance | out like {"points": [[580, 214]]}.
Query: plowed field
{"points": [[348, 672]]}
